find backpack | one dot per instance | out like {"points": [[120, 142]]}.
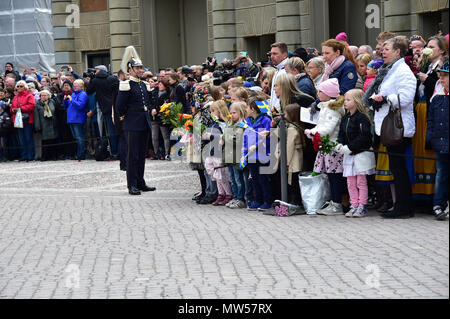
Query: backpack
{"points": [[101, 149], [6, 124]]}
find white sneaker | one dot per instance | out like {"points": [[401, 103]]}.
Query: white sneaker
{"points": [[230, 202], [331, 210], [351, 212]]}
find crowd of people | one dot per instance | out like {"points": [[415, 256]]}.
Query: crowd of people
{"points": [[348, 91]]}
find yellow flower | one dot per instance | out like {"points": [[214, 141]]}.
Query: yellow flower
{"points": [[187, 116], [167, 112]]}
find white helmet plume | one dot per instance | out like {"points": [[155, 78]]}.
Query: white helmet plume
{"points": [[130, 58]]}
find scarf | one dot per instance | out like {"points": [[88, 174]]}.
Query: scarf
{"points": [[330, 68], [47, 111], [375, 85]]}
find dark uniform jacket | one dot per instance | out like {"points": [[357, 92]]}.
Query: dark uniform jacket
{"points": [[133, 105]]}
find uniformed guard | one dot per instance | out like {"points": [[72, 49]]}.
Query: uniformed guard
{"points": [[132, 103]]}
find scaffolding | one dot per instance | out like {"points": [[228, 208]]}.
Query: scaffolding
{"points": [[26, 34]]}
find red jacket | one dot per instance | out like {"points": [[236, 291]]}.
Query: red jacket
{"points": [[369, 80], [26, 102]]}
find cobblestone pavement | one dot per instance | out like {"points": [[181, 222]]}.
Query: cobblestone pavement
{"points": [[70, 230]]}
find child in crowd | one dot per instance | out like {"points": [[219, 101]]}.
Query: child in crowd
{"points": [[328, 122], [239, 94], [363, 60], [213, 163], [437, 136], [232, 139], [355, 136], [256, 147], [372, 71]]}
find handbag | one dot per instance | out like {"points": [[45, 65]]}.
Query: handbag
{"points": [[392, 128]]}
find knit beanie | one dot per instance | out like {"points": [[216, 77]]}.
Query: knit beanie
{"points": [[376, 63], [342, 37], [330, 87]]}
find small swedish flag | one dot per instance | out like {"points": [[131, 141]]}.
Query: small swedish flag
{"points": [[264, 106]]}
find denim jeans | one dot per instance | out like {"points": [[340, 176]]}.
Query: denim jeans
{"points": [[78, 134], [211, 186], [441, 184], [26, 141], [260, 184], [337, 186], [248, 186], [237, 183]]}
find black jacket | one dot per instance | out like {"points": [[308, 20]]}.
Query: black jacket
{"points": [[355, 132], [156, 101], [102, 84], [177, 95]]}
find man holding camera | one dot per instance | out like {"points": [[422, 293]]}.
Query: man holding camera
{"points": [[101, 84]]}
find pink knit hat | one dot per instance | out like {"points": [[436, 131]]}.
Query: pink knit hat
{"points": [[342, 37], [330, 87]]}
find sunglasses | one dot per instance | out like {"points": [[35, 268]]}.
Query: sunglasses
{"points": [[20, 86]]}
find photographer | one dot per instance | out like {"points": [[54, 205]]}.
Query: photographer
{"points": [[101, 84]]}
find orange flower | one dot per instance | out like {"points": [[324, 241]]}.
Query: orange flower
{"points": [[187, 116], [188, 124], [167, 113]]}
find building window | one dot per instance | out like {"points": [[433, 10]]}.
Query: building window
{"points": [[257, 47], [93, 5], [98, 58], [433, 22]]}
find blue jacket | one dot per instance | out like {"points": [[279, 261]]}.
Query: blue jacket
{"points": [[77, 107], [437, 124], [260, 124], [346, 75], [306, 85]]}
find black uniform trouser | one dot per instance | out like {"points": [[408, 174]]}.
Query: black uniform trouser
{"points": [[137, 147], [402, 182], [123, 150]]}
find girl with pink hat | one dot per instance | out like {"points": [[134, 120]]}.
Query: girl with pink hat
{"points": [[328, 122]]}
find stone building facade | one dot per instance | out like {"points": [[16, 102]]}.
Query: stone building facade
{"points": [[170, 33]]}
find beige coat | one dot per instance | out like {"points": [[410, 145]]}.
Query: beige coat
{"points": [[294, 152]]}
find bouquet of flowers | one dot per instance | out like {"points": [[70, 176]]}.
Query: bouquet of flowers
{"points": [[170, 114], [189, 126], [425, 60], [323, 143]]}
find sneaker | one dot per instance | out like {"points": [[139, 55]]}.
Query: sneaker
{"points": [[167, 158], [331, 210], [360, 212], [253, 205], [238, 204], [231, 202], [351, 212], [439, 213], [265, 207]]}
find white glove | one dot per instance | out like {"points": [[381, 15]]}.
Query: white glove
{"points": [[308, 134], [338, 148], [345, 150]]}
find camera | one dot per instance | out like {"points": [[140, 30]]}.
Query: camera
{"points": [[90, 73], [209, 59], [221, 76]]}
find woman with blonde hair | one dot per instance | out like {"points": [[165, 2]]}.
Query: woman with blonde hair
{"points": [[297, 68], [288, 93]]}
